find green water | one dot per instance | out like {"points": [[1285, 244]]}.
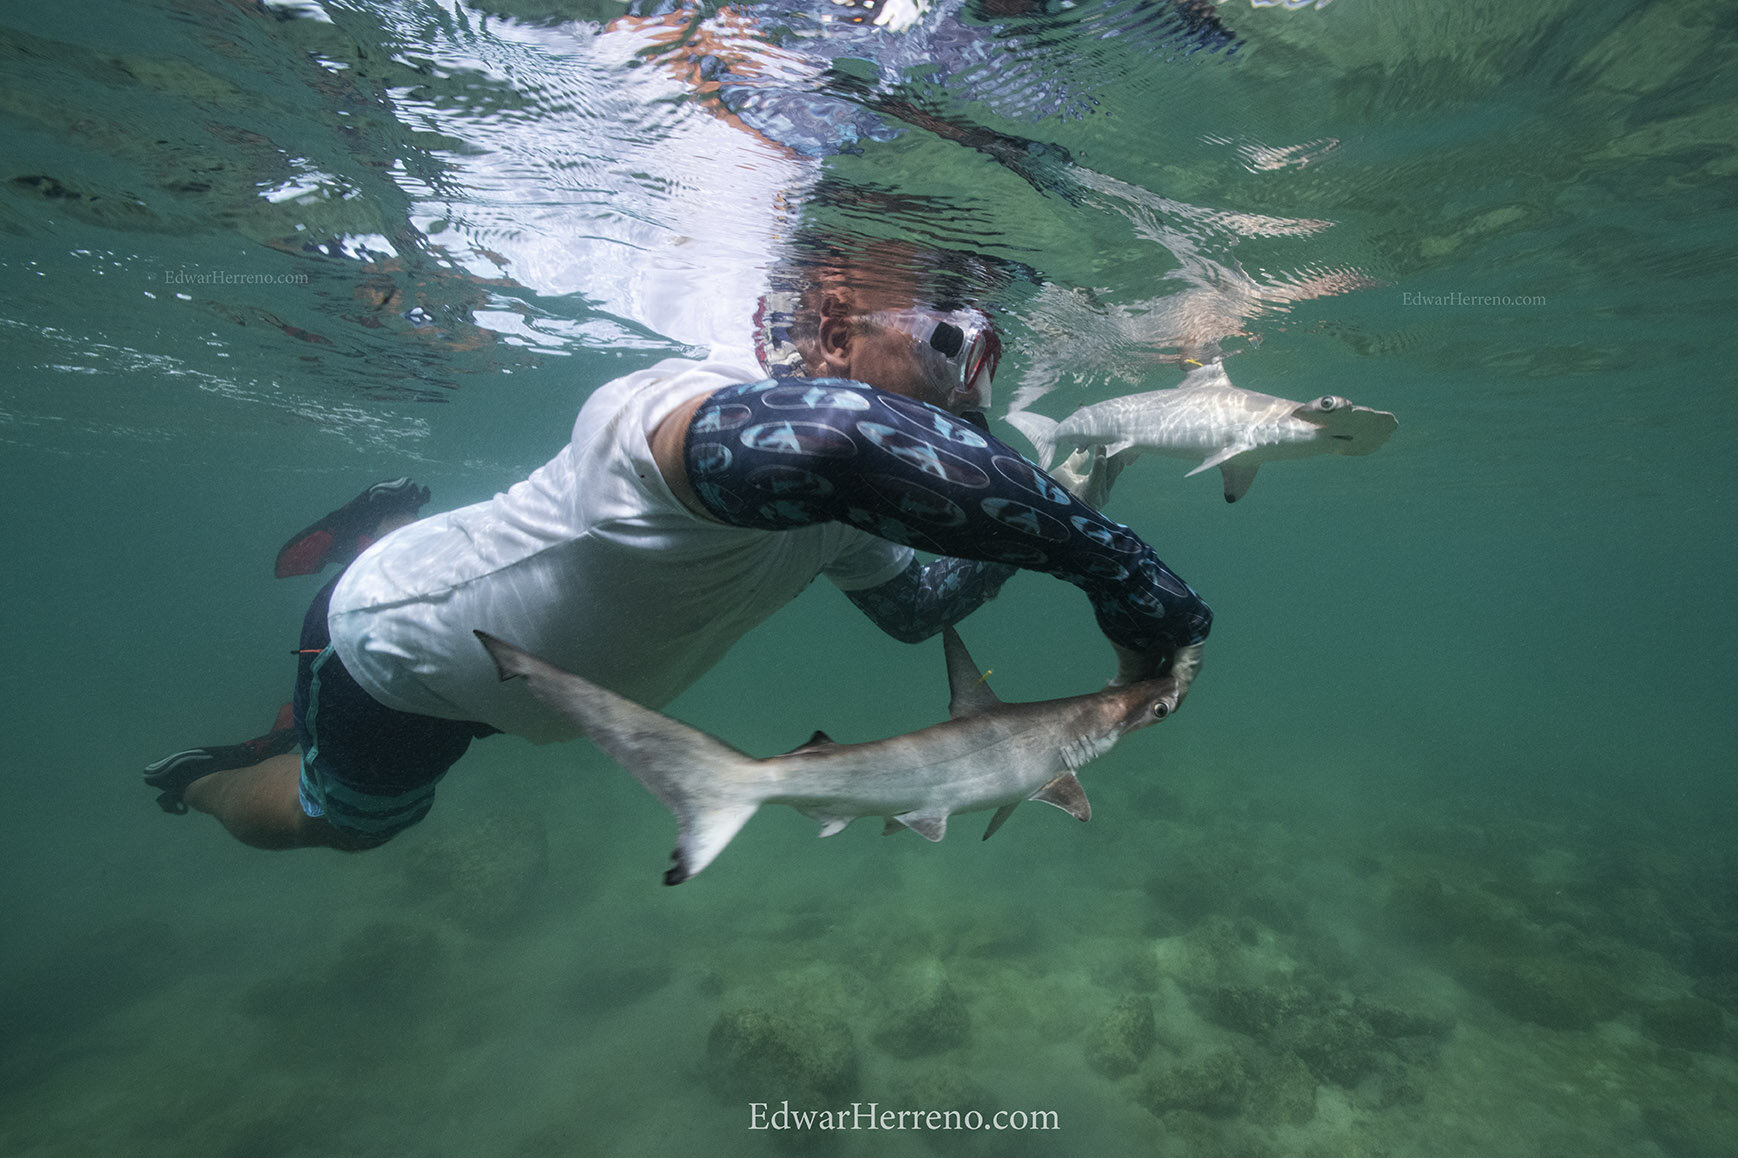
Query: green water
{"points": [[1437, 860]]}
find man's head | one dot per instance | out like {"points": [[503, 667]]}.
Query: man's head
{"points": [[865, 317], [945, 358]]}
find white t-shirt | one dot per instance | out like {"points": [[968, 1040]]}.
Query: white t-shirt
{"points": [[591, 564]]}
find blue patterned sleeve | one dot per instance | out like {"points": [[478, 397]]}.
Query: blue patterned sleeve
{"points": [[776, 455]]}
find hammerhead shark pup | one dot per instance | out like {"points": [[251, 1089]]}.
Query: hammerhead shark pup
{"points": [[989, 755], [1233, 429]]}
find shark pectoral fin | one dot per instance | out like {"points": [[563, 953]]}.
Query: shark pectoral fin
{"points": [[701, 836], [834, 826], [971, 694], [1238, 477], [1000, 818], [1222, 455], [932, 828], [1066, 793], [1112, 449]]}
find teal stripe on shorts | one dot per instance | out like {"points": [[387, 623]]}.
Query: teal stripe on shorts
{"points": [[322, 792]]}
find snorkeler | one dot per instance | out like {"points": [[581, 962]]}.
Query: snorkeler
{"points": [[694, 499]]}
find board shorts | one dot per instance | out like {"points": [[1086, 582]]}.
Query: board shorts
{"points": [[370, 770]]}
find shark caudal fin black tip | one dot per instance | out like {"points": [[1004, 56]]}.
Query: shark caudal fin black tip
{"points": [[705, 782], [704, 828]]}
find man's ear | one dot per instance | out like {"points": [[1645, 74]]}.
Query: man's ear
{"points": [[833, 338], [833, 345]]}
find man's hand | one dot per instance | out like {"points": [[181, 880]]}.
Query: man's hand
{"points": [[1134, 666], [1185, 666], [1088, 473]]}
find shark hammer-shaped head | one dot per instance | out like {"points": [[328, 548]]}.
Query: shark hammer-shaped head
{"points": [[1139, 705], [1350, 429]]}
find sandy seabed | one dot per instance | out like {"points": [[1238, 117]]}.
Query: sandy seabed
{"points": [[1216, 966]]}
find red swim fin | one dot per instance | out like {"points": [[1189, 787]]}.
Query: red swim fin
{"points": [[348, 531], [304, 554]]}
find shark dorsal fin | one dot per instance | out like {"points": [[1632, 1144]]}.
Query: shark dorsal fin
{"points": [[1066, 793], [971, 694], [1205, 375], [1000, 818], [819, 740]]}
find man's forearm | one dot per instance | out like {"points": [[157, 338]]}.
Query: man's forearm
{"points": [[784, 455]]}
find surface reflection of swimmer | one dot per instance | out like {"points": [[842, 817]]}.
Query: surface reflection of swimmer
{"points": [[614, 208], [694, 499], [787, 85]]}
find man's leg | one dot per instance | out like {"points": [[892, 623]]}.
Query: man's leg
{"points": [[369, 771], [261, 806], [253, 788]]}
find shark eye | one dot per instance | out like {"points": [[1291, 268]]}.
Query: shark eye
{"points": [[1161, 710], [1329, 402]]}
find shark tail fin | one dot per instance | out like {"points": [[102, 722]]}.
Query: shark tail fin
{"points": [[708, 784], [1039, 430]]}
